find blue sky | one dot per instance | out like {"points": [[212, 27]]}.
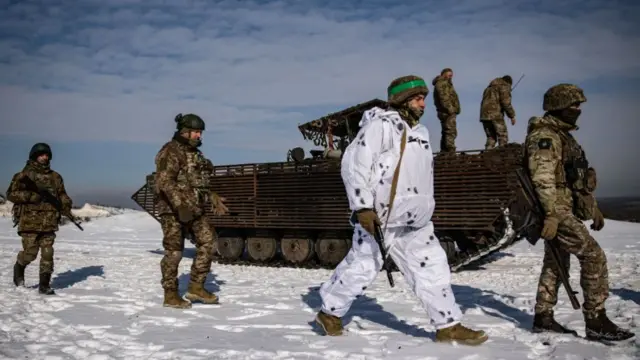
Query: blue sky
{"points": [[101, 81]]}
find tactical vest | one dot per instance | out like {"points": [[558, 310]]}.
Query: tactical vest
{"points": [[578, 176], [196, 175]]}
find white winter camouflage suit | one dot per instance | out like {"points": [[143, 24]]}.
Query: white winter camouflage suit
{"points": [[368, 165]]}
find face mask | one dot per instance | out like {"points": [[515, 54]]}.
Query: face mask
{"points": [[184, 140], [569, 115], [417, 113], [410, 115], [195, 142]]}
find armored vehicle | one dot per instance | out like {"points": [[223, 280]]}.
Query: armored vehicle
{"points": [[295, 213]]}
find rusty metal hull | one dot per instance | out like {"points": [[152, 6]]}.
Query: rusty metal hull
{"points": [[296, 214]]}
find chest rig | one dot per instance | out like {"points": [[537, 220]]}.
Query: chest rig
{"points": [[196, 175], [575, 164], [580, 177]]}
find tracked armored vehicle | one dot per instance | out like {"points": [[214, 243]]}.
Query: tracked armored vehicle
{"points": [[295, 213]]}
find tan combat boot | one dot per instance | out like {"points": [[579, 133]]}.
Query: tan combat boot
{"points": [[172, 299], [197, 292], [462, 335], [332, 325]]}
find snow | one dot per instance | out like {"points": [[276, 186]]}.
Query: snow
{"points": [[83, 214], [109, 305]]}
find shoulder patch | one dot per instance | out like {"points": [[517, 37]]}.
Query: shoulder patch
{"points": [[544, 143]]}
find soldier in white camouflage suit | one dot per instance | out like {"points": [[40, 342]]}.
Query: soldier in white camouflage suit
{"points": [[368, 168]]}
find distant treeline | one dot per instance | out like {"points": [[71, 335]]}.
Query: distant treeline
{"points": [[622, 208]]}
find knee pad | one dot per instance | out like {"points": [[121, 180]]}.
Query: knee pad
{"points": [[28, 257], [47, 253]]}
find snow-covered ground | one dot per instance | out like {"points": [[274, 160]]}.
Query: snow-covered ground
{"points": [[83, 214], [109, 305]]}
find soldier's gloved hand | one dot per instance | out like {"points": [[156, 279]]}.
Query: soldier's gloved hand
{"points": [[550, 228], [368, 219], [598, 220], [35, 198], [513, 121], [185, 215], [217, 205]]}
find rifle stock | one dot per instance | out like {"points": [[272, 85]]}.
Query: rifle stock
{"points": [[48, 197], [555, 254]]}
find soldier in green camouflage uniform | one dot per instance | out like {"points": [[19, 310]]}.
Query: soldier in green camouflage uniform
{"points": [[447, 106], [182, 189], [496, 101], [37, 220], [565, 183]]}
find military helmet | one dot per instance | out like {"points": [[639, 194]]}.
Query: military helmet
{"points": [[40, 149], [188, 122], [562, 96], [405, 87]]}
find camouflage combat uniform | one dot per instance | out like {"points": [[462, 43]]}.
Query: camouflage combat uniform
{"points": [[565, 183], [37, 220], [181, 187], [447, 106], [496, 101]]}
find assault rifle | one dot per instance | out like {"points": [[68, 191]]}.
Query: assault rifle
{"points": [[386, 264], [379, 237], [48, 197], [534, 235]]}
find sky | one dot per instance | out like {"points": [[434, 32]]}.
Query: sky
{"points": [[101, 81]]}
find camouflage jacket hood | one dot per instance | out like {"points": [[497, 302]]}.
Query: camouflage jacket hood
{"points": [[499, 82], [437, 79], [34, 166], [550, 121]]}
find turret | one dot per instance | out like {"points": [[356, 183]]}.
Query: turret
{"points": [[333, 132]]}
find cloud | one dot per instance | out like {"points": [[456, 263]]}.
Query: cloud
{"points": [[122, 69]]}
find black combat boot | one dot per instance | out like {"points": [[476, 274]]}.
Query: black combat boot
{"points": [[601, 328], [44, 288], [545, 322], [18, 274]]}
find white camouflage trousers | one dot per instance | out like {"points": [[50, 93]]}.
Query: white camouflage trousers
{"points": [[419, 257]]}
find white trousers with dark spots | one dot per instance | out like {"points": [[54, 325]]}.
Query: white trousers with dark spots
{"points": [[420, 258]]}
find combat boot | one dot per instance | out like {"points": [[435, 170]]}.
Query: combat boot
{"points": [[173, 300], [44, 287], [197, 292], [544, 322], [462, 335], [601, 328], [18, 274], [332, 325]]}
